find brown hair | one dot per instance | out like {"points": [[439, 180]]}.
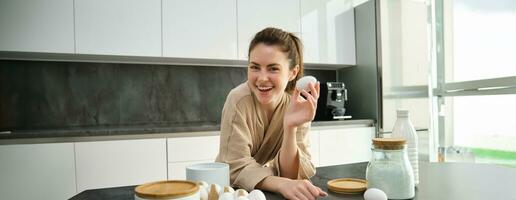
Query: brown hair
{"points": [[288, 43]]}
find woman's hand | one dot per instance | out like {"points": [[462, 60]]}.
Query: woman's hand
{"points": [[300, 190], [301, 110]]}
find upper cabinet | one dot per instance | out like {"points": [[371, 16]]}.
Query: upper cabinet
{"points": [[254, 16], [328, 31], [36, 26], [118, 27], [200, 29]]}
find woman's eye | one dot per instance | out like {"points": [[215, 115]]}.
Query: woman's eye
{"points": [[254, 67], [273, 69]]}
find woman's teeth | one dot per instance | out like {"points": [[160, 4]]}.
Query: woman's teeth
{"points": [[262, 88]]}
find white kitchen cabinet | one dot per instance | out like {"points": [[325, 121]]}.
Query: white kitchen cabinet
{"points": [[185, 151], [345, 145], [177, 170], [118, 27], [328, 31], [253, 16], [120, 163], [314, 147], [182, 149], [37, 171], [37, 26], [200, 29]]}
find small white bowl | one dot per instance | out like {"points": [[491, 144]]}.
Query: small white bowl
{"points": [[212, 173]]}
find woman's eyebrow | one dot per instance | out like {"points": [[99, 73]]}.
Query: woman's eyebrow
{"points": [[269, 65], [255, 63]]}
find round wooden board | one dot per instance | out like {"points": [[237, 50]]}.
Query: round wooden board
{"points": [[166, 189], [347, 185]]}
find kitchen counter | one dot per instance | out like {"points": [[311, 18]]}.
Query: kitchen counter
{"points": [[438, 181], [125, 133]]}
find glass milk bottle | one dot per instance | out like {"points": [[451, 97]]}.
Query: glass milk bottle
{"points": [[403, 128], [389, 169]]}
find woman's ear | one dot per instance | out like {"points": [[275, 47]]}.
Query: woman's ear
{"points": [[293, 73]]}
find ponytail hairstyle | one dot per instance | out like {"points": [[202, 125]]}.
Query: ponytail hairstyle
{"points": [[288, 43]]}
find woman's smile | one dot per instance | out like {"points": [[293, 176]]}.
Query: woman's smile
{"points": [[264, 88], [264, 93]]}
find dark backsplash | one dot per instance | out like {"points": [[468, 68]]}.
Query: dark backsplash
{"points": [[38, 95]]}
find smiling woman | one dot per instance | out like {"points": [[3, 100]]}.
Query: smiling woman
{"points": [[265, 121]]}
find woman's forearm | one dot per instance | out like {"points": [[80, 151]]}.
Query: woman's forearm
{"points": [[272, 183], [288, 156], [291, 189]]}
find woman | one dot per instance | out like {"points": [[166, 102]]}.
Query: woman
{"points": [[265, 121]]}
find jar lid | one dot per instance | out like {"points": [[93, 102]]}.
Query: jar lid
{"points": [[389, 143], [166, 189], [347, 185]]}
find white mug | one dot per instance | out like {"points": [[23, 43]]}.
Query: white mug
{"points": [[212, 173]]}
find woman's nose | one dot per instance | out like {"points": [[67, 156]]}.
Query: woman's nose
{"points": [[263, 76]]}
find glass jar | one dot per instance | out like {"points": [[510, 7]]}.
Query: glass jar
{"points": [[389, 169]]}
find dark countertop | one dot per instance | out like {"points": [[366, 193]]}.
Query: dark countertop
{"points": [[78, 134], [438, 181]]}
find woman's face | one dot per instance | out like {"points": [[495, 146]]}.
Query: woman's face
{"points": [[268, 73]]}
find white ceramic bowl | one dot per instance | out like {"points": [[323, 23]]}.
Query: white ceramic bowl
{"points": [[212, 173]]}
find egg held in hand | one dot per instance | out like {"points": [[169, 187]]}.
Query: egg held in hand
{"points": [[302, 83]]}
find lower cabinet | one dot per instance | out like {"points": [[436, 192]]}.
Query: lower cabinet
{"points": [[61, 170], [120, 163], [177, 170], [182, 149], [37, 171], [314, 147], [185, 151], [345, 145]]}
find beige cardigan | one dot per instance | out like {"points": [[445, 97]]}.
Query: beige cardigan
{"points": [[250, 144]]}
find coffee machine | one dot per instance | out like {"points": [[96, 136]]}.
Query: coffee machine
{"points": [[332, 99]]}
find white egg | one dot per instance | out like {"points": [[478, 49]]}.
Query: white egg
{"points": [[256, 195], [374, 194], [241, 198], [228, 189], [203, 193], [302, 83], [241, 193], [226, 196], [204, 185]]}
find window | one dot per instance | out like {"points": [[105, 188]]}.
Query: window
{"points": [[474, 80]]}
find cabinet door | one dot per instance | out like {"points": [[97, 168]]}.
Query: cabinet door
{"points": [[37, 171], [37, 26], [328, 31], [314, 147], [118, 27], [253, 16], [177, 170], [200, 29], [120, 163], [183, 149], [345, 145]]}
